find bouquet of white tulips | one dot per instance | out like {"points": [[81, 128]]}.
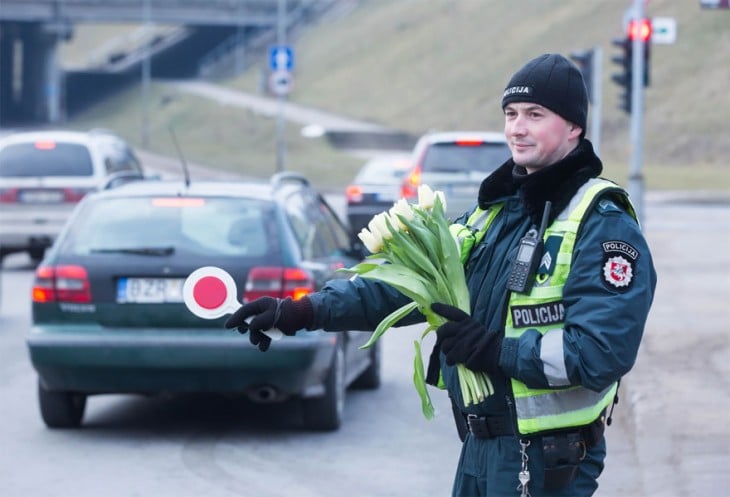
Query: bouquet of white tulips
{"points": [[419, 257]]}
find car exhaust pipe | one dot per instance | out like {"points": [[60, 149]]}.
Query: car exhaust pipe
{"points": [[264, 394]]}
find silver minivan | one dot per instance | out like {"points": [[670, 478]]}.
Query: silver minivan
{"points": [[44, 174]]}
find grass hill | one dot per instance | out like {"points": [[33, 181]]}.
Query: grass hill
{"points": [[418, 65]]}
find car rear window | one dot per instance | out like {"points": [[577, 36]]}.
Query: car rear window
{"points": [[45, 158], [194, 225], [452, 157], [383, 171]]}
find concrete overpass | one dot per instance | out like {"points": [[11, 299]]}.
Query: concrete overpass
{"points": [[199, 12], [32, 83]]}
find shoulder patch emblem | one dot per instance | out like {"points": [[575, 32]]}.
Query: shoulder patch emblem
{"points": [[618, 272], [618, 264]]}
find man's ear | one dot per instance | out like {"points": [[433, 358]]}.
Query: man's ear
{"points": [[574, 130]]}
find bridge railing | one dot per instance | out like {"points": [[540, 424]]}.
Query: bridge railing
{"points": [[200, 12]]}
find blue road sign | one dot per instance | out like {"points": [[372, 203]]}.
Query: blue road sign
{"points": [[281, 58]]}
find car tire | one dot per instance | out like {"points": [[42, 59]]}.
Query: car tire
{"points": [[61, 409], [370, 378], [325, 413]]}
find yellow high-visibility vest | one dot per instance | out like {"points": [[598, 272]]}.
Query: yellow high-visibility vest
{"points": [[543, 410]]}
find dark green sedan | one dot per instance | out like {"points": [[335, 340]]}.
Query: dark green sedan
{"points": [[108, 310]]}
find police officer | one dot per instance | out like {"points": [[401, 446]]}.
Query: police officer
{"points": [[561, 281]]}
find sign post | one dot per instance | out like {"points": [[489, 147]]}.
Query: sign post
{"points": [[280, 83], [281, 61], [281, 58]]}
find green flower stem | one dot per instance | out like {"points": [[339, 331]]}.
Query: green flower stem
{"points": [[433, 253], [464, 385], [422, 256]]}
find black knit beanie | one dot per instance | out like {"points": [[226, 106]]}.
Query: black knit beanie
{"points": [[554, 82]]}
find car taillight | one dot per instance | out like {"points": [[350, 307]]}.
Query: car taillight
{"points": [[469, 142], [45, 144], [280, 282], [61, 284], [8, 195], [74, 194], [411, 182], [353, 193]]}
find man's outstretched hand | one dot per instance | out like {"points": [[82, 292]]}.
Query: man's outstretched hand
{"points": [[286, 315]]}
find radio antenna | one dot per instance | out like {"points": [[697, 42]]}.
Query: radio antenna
{"points": [[545, 217], [186, 173]]}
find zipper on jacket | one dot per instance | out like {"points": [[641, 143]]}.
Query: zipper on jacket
{"points": [[509, 395]]}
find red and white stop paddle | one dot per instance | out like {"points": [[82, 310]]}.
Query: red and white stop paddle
{"points": [[210, 292]]}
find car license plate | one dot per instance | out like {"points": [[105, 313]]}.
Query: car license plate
{"points": [[149, 290], [40, 196], [385, 197]]}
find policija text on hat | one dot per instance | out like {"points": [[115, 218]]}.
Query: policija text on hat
{"points": [[555, 324]]}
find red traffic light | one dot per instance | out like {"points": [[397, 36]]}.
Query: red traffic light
{"points": [[640, 29]]}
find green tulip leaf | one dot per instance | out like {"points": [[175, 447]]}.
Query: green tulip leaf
{"points": [[388, 322]]}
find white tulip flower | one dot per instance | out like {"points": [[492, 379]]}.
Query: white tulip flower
{"points": [[400, 208], [425, 197], [379, 227], [373, 243]]}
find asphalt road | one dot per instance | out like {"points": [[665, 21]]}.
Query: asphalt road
{"points": [[678, 394], [670, 436], [204, 445]]}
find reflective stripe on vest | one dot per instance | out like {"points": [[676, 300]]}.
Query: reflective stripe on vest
{"points": [[540, 410], [468, 236]]}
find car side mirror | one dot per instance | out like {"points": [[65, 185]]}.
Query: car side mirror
{"points": [[357, 249]]}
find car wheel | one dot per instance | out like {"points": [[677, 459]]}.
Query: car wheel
{"points": [[370, 378], [61, 409], [325, 413]]}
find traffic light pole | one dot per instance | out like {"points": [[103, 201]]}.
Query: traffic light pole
{"points": [[636, 177]]}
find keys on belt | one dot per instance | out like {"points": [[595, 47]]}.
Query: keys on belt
{"points": [[489, 426]]}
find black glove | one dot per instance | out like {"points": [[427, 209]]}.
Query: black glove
{"points": [[286, 315], [466, 341]]}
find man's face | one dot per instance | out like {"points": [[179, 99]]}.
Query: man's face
{"points": [[537, 136]]}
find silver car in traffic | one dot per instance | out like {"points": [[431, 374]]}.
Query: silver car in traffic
{"points": [[44, 174]]}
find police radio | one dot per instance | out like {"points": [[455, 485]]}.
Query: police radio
{"points": [[522, 274]]}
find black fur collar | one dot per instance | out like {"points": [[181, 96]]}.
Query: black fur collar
{"points": [[556, 183]]}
